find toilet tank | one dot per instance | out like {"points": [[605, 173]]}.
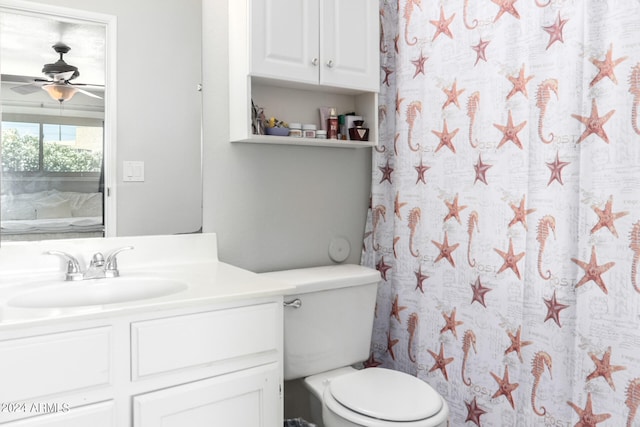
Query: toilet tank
{"points": [[332, 326]]}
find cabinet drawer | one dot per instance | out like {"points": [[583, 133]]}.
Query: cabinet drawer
{"points": [[42, 365], [98, 415], [196, 340]]}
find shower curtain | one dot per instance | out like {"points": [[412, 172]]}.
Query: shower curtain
{"points": [[505, 207]]}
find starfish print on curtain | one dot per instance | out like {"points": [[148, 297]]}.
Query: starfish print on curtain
{"points": [[520, 213], [594, 123], [421, 170], [397, 205], [419, 64], [442, 25], [506, 6], [519, 84], [481, 171], [474, 412], [517, 344], [505, 388], [606, 217], [593, 271], [480, 49], [604, 368], [446, 137], [420, 278], [450, 323], [553, 309], [452, 95], [587, 417], [555, 31], [454, 210], [446, 250], [510, 259], [396, 309], [556, 170], [479, 292], [441, 362], [510, 132], [386, 172], [605, 67]]}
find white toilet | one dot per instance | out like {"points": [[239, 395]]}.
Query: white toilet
{"points": [[328, 320]]}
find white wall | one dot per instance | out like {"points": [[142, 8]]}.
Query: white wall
{"points": [[158, 69], [273, 207]]}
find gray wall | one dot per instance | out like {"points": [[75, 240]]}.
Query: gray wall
{"points": [[273, 207], [158, 119]]}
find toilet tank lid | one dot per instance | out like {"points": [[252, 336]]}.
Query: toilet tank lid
{"points": [[324, 278]]}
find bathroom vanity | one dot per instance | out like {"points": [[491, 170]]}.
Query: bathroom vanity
{"points": [[207, 353]]}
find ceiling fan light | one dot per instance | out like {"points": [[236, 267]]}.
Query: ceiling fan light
{"points": [[60, 92]]}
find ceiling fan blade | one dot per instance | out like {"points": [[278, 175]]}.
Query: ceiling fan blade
{"points": [[26, 89], [12, 78], [93, 95]]}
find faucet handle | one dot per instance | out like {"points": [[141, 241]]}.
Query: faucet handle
{"points": [[97, 260], [111, 264], [73, 266]]}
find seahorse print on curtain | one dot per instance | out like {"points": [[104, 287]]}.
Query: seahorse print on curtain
{"points": [[543, 96]]}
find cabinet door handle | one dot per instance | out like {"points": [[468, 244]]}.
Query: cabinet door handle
{"points": [[296, 303], [314, 61], [330, 63]]}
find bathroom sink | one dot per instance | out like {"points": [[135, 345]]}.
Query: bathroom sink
{"points": [[96, 292]]}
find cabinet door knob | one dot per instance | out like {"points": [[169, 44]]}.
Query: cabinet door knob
{"points": [[330, 63], [314, 61]]}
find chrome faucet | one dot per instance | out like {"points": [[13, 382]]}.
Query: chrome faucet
{"points": [[99, 267]]}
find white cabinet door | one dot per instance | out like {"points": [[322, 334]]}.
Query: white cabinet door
{"points": [[249, 398], [285, 40], [328, 42], [349, 44]]}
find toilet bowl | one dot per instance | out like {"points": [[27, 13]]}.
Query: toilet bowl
{"points": [[328, 321], [376, 397]]}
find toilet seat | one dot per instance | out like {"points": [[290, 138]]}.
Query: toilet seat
{"points": [[379, 397]]}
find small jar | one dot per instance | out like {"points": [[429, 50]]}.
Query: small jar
{"points": [[308, 130], [321, 134], [295, 130]]}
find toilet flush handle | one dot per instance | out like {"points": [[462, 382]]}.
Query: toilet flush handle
{"points": [[296, 303]]}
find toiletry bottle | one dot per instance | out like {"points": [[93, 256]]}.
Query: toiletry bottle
{"points": [[332, 125]]}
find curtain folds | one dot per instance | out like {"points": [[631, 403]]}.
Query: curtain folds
{"points": [[505, 207]]}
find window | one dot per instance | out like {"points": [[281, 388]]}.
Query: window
{"points": [[51, 146]]}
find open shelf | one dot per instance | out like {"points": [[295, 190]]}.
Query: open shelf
{"points": [[300, 104], [308, 142]]}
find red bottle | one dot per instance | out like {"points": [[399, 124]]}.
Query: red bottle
{"points": [[332, 125]]}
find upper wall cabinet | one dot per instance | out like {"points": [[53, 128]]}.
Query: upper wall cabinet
{"points": [[290, 57], [326, 42]]}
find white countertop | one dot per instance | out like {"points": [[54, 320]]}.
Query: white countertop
{"points": [[187, 258]]}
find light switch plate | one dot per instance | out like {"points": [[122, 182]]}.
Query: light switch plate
{"points": [[133, 171]]}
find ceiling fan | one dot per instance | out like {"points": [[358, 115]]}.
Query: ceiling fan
{"points": [[58, 85]]}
